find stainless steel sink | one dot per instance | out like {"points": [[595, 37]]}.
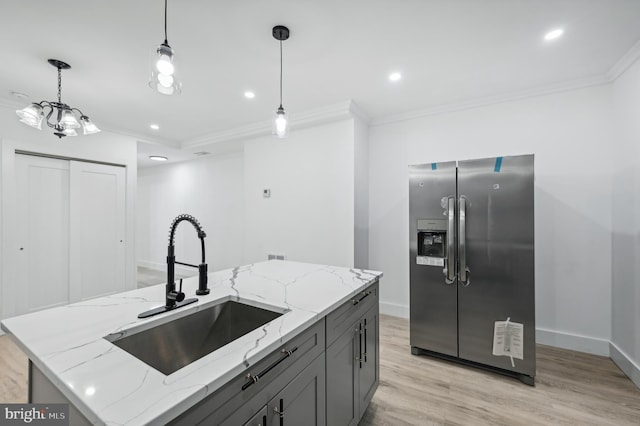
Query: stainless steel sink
{"points": [[172, 345]]}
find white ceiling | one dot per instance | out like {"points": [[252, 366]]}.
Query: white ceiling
{"points": [[448, 51]]}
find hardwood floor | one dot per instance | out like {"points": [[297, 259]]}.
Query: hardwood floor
{"points": [[572, 388]]}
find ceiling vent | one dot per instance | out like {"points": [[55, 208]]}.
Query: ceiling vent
{"points": [[201, 153]]}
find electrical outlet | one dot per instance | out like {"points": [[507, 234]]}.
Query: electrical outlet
{"points": [[275, 256]]}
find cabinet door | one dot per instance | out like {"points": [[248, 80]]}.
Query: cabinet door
{"points": [[302, 401], [260, 419], [342, 376], [369, 368]]}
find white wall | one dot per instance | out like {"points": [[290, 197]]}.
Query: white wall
{"points": [[361, 193], [211, 190], [570, 134], [625, 336], [310, 214], [104, 146]]}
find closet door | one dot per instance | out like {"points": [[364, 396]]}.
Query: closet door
{"points": [[97, 237], [42, 274]]}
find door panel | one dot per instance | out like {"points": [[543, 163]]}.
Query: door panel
{"points": [[433, 302], [499, 256], [260, 419], [342, 405], [302, 401], [369, 372], [97, 231], [43, 212]]}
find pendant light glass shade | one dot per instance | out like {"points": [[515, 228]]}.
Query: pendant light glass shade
{"points": [[68, 120], [87, 126], [31, 115], [70, 132], [281, 123], [163, 72]]}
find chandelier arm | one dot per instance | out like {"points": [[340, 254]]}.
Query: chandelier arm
{"points": [[49, 115], [79, 112]]}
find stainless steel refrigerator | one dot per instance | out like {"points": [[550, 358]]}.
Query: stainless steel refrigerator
{"points": [[472, 263]]}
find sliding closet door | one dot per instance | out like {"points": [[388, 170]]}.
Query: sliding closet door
{"points": [[97, 216], [42, 208]]}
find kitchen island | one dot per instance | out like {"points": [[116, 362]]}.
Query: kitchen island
{"points": [[318, 358]]}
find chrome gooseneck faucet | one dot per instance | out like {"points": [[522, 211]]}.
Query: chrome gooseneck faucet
{"points": [[175, 298]]}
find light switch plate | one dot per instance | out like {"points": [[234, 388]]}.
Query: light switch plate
{"points": [[266, 193]]}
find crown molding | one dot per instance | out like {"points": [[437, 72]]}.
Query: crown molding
{"points": [[329, 113], [492, 100], [625, 62]]}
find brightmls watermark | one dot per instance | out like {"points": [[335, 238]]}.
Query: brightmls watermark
{"points": [[34, 414]]}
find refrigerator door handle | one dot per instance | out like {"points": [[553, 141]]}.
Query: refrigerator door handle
{"points": [[450, 270], [462, 243]]}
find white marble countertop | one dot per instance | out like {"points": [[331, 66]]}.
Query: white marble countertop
{"points": [[110, 386]]}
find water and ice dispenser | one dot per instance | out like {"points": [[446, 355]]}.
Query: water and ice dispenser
{"points": [[432, 242]]}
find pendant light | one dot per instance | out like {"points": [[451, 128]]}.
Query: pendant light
{"points": [[163, 73], [280, 122]]}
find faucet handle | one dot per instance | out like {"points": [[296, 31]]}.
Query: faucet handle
{"points": [[178, 296]]}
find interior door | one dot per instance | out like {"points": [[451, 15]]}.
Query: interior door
{"points": [[97, 213], [499, 241], [43, 244], [433, 300]]}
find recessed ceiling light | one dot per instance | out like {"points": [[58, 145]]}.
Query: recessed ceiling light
{"points": [[249, 95], [395, 76], [552, 35], [154, 126], [157, 158]]}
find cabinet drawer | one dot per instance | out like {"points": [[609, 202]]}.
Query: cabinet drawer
{"points": [[231, 399], [349, 312]]}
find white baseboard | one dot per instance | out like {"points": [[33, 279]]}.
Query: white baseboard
{"points": [[163, 267], [626, 364], [394, 309], [574, 342]]}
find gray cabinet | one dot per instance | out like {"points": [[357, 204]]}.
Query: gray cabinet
{"points": [[301, 402], [352, 361]]}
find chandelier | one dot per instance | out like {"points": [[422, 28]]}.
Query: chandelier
{"points": [[65, 122]]}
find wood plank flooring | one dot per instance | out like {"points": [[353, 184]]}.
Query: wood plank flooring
{"points": [[572, 388]]}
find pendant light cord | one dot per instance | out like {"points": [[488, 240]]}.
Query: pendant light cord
{"points": [[280, 73], [165, 22]]}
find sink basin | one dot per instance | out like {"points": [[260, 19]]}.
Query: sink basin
{"points": [[175, 344]]}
